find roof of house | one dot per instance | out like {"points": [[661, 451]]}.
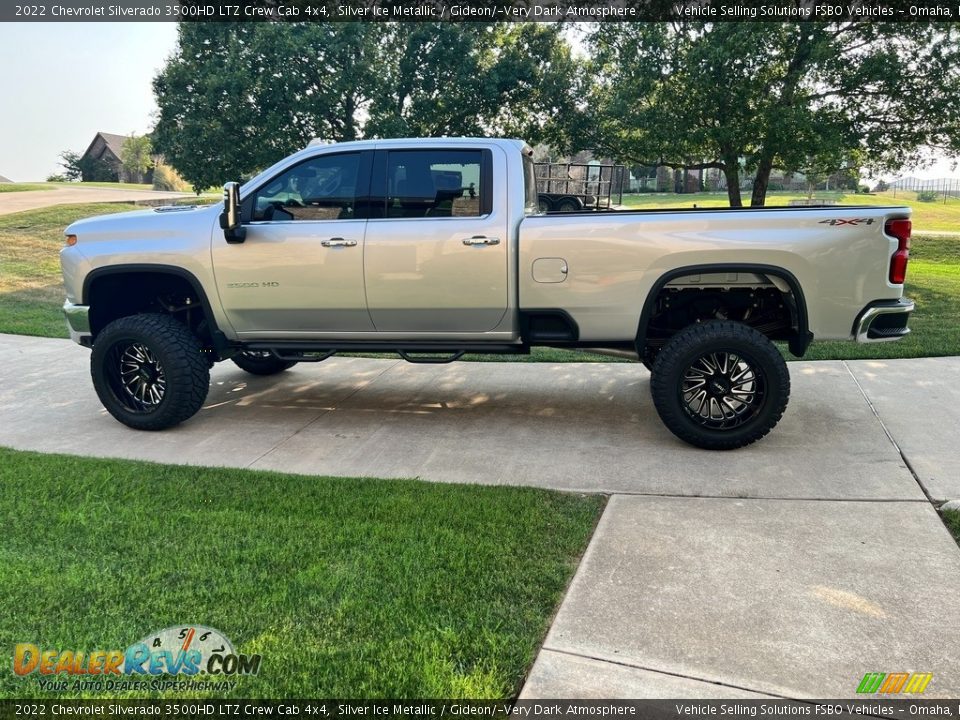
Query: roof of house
{"points": [[114, 142], [6, 180]]}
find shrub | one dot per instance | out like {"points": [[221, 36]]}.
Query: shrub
{"points": [[166, 178], [57, 178], [927, 195]]}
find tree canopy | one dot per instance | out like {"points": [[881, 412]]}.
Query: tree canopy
{"points": [[236, 97], [751, 97], [744, 98]]}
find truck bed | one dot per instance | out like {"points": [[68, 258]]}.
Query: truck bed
{"points": [[839, 255]]}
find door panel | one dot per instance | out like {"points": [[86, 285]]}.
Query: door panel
{"points": [[300, 269], [283, 279], [436, 259]]}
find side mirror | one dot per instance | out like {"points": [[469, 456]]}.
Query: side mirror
{"points": [[233, 231]]}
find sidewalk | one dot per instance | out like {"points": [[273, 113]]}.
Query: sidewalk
{"points": [[788, 568], [726, 598]]}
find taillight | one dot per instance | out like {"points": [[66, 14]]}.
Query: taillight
{"points": [[900, 229]]}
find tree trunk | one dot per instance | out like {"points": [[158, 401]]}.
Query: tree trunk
{"points": [[762, 182], [349, 120], [732, 172]]}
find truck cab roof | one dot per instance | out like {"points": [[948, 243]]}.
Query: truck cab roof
{"points": [[513, 143]]}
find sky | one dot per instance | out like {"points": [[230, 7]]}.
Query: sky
{"points": [[63, 82]]}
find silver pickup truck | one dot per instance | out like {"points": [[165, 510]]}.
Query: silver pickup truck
{"points": [[433, 248]]}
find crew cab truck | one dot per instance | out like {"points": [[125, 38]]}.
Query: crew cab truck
{"points": [[432, 248]]}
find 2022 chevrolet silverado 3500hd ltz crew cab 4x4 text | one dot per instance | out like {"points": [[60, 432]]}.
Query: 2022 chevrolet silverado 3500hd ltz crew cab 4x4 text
{"points": [[436, 246]]}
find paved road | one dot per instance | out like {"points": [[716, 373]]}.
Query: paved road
{"points": [[789, 568], [11, 202]]}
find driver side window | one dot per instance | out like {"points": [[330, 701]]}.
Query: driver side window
{"points": [[321, 188]]}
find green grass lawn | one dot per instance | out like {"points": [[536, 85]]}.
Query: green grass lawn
{"points": [[24, 187], [927, 216], [951, 519], [347, 587], [31, 291]]}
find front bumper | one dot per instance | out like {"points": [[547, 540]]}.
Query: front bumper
{"points": [[883, 321], [78, 323]]}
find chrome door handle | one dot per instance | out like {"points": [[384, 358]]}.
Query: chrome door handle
{"points": [[481, 240], [338, 242]]}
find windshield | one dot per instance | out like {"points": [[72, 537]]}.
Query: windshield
{"points": [[531, 205]]}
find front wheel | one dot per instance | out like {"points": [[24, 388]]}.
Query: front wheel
{"points": [[261, 362], [149, 371], [720, 385]]}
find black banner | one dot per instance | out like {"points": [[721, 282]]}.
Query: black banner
{"points": [[477, 10], [520, 709]]}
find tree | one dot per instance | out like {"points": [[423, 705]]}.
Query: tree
{"points": [[237, 97], [77, 168], [752, 97], [136, 157], [472, 78], [71, 162]]}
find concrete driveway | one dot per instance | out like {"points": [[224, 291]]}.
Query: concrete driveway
{"points": [[789, 568], [11, 202]]}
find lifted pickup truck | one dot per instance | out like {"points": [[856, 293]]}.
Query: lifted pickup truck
{"points": [[432, 248]]}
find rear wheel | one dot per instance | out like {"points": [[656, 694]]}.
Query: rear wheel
{"points": [[149, 371], [720, 385], [261, 362]]}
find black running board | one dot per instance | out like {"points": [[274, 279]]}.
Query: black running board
{"points": [[411, 352]]}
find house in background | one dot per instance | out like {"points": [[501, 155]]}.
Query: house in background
{"points": [[5, 180], [101, 161]]}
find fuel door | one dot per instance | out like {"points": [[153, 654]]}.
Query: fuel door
{"points": [[549, 270]]}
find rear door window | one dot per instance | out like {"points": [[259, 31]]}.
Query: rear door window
{"points": [[435, 184]]}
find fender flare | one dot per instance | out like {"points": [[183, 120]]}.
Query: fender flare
{"points": [[800, 341], [219, 339]]}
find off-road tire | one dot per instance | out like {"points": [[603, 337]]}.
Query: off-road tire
{"points": [[170, 351], [678, 369], [261, 364]]}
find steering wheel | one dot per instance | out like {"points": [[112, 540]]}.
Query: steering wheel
{"points": [[329, 185]]}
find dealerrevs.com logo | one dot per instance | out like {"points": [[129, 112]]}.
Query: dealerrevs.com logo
{"points": [[193, 651]]}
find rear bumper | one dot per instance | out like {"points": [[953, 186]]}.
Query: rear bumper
{"points": [[883, 320], [78, 323]]}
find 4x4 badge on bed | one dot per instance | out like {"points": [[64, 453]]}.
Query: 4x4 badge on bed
{"points": [[847, 221]]}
